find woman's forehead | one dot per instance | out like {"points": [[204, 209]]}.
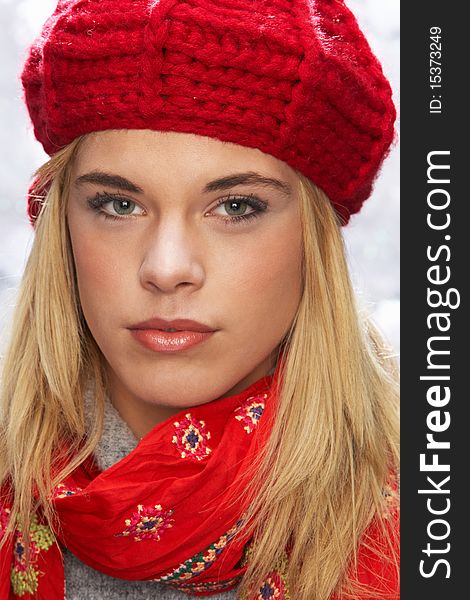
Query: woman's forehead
{"points": [[162, 153]]}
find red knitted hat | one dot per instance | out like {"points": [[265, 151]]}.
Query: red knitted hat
{"points": [[294, 78]]}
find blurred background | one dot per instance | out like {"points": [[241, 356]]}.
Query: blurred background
{"points": [[372, 237]]}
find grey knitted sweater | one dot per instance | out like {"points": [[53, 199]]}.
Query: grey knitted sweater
{"points": [[83, 582]]}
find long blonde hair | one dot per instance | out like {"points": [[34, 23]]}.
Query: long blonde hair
{"points": [[334, 441]]}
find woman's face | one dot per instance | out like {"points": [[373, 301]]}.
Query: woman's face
{"points": [[178, 226]]}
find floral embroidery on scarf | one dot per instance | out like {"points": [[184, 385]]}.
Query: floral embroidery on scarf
{"points": [[202, 561], [25, 578], [191, 438], [274, 587], [250, 412], [209, 586], [63, 490], [147, 523]]}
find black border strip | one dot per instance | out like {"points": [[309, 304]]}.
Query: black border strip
{"points": [[435, 269]]}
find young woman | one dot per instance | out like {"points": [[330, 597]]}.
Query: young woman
{"points": [[192, 403]]}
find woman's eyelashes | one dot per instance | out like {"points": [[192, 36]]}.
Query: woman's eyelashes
{"points": [[240, 209], [123, 207], [231, 210]]}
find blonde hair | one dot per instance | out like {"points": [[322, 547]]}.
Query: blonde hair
{"points": [[318, 484]]}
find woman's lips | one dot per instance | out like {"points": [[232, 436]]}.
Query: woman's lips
{"points": [[169, 341]]}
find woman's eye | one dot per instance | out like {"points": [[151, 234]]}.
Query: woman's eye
{"points": [[239, 210], [114, 207], [235, 208], [123, 207]]}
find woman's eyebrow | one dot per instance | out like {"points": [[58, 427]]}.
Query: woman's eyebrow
{"points": [[110, 180], [252, 177], [223, 183]]}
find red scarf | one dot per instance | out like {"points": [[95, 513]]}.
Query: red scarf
{"points": [[159, 513]]}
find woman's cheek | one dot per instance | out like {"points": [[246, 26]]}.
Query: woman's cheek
{"points": [[286, 276], [279, 265], [100, 275], [269, 284]]}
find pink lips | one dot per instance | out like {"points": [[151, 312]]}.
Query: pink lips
{"points": [[188, 333]]}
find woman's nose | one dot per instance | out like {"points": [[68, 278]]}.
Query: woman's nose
{"points": [[172, 259]]}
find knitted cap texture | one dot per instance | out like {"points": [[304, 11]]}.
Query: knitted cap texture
{"points": [[293, 78]]}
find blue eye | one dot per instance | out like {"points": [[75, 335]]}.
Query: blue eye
{"points": [[236, 208], [122, 206]]}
